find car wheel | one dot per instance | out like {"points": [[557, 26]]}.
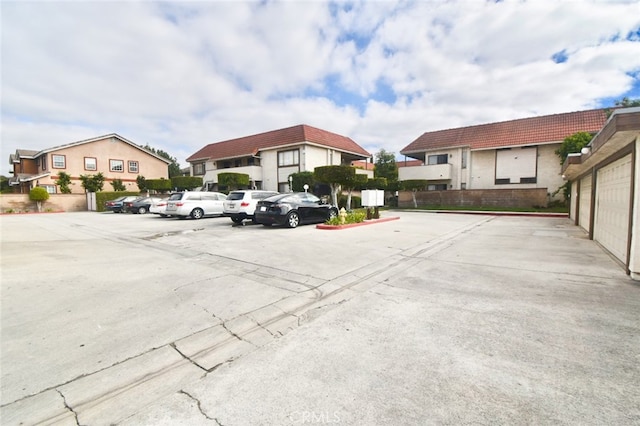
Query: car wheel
{"points": [[293, 219], [142, 210], [197, 213], [333, 213], [236, 219]]}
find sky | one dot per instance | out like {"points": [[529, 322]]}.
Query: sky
{"points": [[180, 75]]}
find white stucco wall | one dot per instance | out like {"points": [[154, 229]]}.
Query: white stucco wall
{"points": [[482, 165]]}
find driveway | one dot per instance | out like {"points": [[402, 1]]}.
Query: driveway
{"points": [[433, 318]]}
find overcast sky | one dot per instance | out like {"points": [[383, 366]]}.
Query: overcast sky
{"points": [[178, 76]]}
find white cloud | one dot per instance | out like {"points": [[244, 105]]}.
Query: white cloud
{"points": [[180, 75]]}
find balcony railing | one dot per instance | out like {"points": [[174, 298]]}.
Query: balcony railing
{"points": [[426, 172]]}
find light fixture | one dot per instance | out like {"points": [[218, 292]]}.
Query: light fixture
{"points": [[585, 150]]}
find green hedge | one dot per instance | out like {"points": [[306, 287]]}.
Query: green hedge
{"points": [[356, 202], [103, 197]]}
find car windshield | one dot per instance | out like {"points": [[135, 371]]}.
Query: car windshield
{"points": [[235, 196], [176, 197]]}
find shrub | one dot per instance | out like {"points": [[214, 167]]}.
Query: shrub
{"points": [[64, 180], [354, 216], [186, 183], [118, 185]]}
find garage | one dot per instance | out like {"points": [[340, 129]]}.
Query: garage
{"points": [[613, 201], [584, 219], [605, 184]]}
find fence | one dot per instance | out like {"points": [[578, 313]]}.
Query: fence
{"points": [[523, 198], [20, 203]]}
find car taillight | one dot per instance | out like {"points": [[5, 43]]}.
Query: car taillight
{"points": [[179, 204], [161, 204], [244, 204]]}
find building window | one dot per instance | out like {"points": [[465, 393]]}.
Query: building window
{"points": [[51, 189], [251, 161], [116, 165], [43, 162], [464, 159], [133, 167], [59, 161], [90, 163], [198, 169], [438, 159], [238, 163], [437, 187], [288, 158], [516, 165]]}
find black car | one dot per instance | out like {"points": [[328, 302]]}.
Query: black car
{"points": [[293, 209], [140, 205], [117, 205]]}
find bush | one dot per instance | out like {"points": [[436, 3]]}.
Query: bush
{"points": [[186, 183], [159, 185], [102, 197], [354, 216]]}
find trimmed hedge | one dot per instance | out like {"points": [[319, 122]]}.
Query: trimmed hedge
{"points": [[103, 197]]}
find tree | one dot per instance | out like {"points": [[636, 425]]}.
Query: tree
{"points": [[118, 185], [376, 183], [39, 195], [64, 180], [174, 167], [92, 183], [414, 185], [142, 183], [333, 176], [351, 182], [573, 144], [233, 180], [385, 166], [300, 179], [623, 103]]}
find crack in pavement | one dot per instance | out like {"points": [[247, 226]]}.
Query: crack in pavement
{"points": [[197, 401], [173, 345], [68, 407]]}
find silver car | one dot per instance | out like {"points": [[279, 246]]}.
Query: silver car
{"points": [[196, 204], [241, 204]]}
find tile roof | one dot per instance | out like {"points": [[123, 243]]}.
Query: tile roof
{"points": [[409, 163], [525, 131], [363, 164], [251, 145]]}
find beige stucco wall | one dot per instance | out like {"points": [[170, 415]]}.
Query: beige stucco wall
{"points": [[104, 150], [20, 203]]}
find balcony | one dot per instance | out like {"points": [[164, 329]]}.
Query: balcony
{"points": [[427, 172], [254, 172]]}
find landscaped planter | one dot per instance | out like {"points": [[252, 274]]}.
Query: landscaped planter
{"points": [[353, 225]]}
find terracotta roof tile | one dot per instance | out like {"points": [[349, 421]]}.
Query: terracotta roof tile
{"points": [[525, 131], [251, 145]]}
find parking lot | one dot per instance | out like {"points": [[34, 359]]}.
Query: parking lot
{"points": [[429, 319]]}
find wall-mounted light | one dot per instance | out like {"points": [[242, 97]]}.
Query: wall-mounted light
{"points": [[585, 150]]}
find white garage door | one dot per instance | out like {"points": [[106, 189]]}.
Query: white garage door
{"points": [[584, 216], [613, 199]]}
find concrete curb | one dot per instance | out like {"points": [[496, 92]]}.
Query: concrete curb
{"points": [[353, 225]]}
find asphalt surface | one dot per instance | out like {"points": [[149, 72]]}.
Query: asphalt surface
{"points": [[430, 319]]}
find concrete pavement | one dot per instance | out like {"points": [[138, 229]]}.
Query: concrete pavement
{"points": [[442, 319]]}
